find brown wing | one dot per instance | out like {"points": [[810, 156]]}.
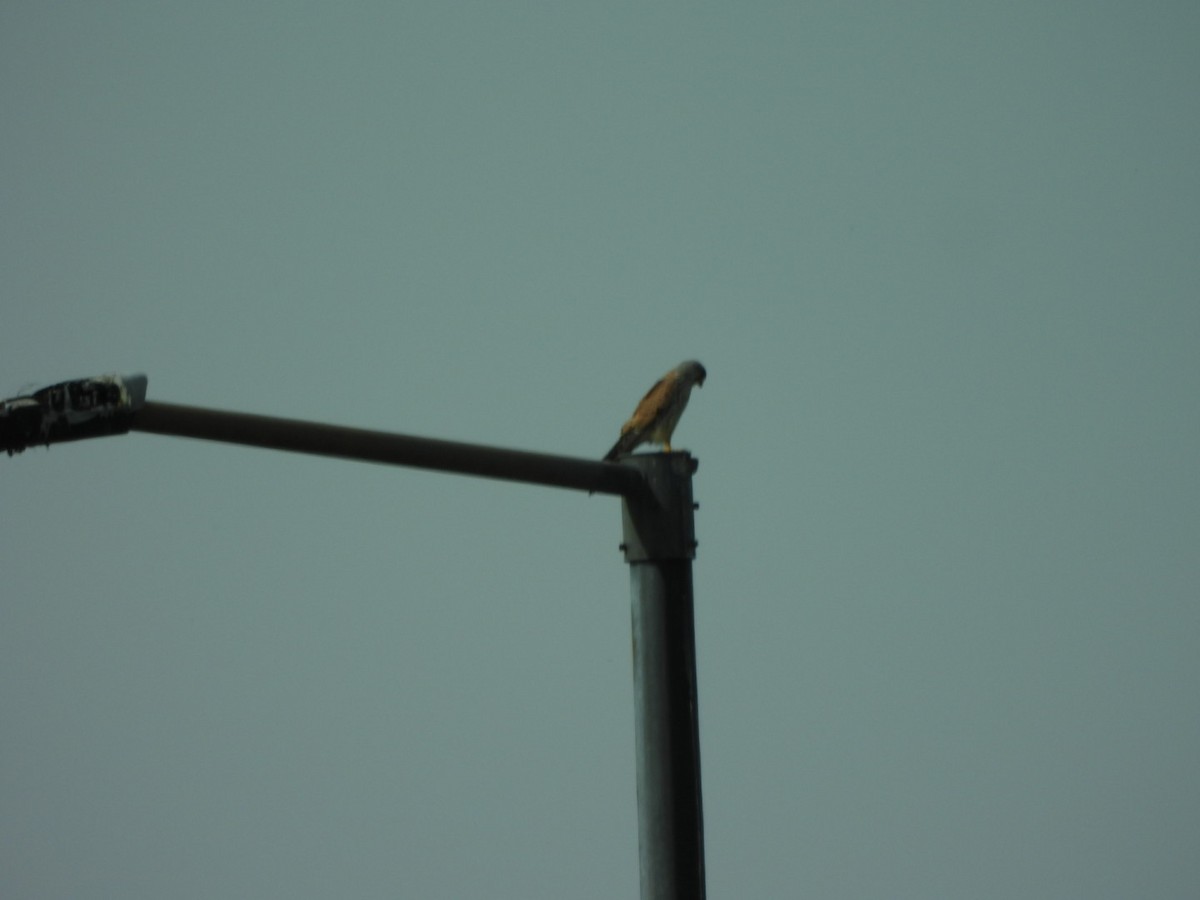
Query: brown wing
{"points": [[652, 405], [648, 410]]}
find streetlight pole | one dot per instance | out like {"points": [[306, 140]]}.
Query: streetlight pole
{"points": [[659, 545]]}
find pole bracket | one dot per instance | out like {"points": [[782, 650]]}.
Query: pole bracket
{"points": [[660, 524]]}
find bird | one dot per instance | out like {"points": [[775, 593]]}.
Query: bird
{"points": [[656, 416]]}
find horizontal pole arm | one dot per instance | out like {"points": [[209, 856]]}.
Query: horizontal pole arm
{"points": [[388, 448]]}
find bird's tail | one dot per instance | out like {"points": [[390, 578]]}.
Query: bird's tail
{"points": [[621, 447]]}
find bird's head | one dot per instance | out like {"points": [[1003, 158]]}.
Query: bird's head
{"points": [[692, 372]]}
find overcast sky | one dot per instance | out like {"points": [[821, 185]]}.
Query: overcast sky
{"points": [[941, 261]]}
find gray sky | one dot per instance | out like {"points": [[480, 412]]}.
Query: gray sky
{"points": [[941, 261]]}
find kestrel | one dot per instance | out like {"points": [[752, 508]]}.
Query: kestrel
{"points": [[657, 415]]}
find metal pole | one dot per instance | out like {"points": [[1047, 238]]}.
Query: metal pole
{"points": [[659, 547], [385, 447], [110, 404]]}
